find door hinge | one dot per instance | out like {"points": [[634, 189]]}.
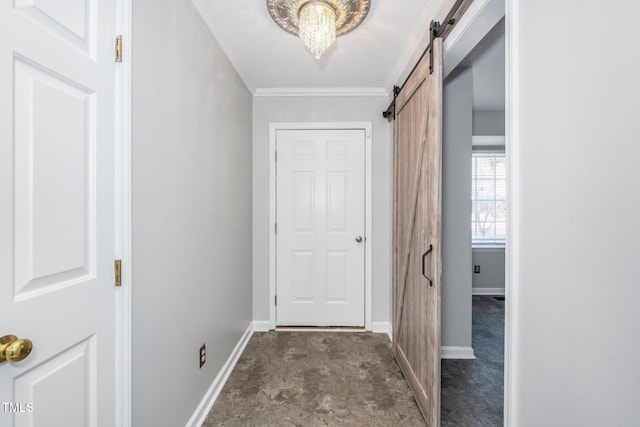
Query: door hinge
{"points": [[117, 267], [275, 155], [119, 48], [275, 228], [276, 300]]}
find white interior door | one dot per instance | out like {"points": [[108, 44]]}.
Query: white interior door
{"points": [[57, 107], [321, 238]]}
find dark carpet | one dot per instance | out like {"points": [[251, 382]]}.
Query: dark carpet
{"points": [[472, 390], [352, 379]]}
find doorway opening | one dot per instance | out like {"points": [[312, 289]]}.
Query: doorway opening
{"points": [[475, 194]]}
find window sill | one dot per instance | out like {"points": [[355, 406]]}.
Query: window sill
{"points": [[488, 248]]}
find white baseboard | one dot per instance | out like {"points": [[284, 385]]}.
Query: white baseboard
{"points": [[456, 352], [318, 329], [382, 328], [488, 291], [198, 417], [261, 326]]}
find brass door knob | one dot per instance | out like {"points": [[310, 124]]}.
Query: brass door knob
{"points": [[13, 349]]}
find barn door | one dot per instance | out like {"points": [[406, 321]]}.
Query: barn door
{"points": [[417, 233]]}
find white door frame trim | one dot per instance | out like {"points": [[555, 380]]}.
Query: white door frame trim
{"points": [[273, 128], [512, 256], [123, 237], [474, 24]]}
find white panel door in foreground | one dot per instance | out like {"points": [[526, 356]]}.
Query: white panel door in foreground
{"points": [[57, 210], [320, 227]]}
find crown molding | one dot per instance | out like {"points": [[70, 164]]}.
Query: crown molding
{"points": [[321, 91], [413, 50]]}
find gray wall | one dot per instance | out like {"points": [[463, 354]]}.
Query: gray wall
{"points": [[575, 231], [488, 123], [323, 109], [456, 209], [191, 210], [491, 262]]}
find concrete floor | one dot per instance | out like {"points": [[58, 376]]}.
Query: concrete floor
{"points": [[316, 379], [352, 379]]}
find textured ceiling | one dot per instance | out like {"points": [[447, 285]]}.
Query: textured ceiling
{"points": [[370, 59], [374, 55]]}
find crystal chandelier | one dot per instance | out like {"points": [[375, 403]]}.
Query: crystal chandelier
{"points": [[317, 27], [318, 22]]}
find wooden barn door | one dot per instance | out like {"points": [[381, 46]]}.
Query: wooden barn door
{"points": [[417, 233]]}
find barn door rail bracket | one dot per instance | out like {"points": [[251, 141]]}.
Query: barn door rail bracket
{"points": [[436, 30], [390, 114]]}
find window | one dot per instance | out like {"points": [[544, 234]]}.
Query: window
{"points": [[489, 199]]}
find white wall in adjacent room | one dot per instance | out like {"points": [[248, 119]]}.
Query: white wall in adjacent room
{"points": [[191, 210], [574, 277]]}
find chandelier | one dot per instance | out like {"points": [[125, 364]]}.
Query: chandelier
{"points": [[318, 22]]}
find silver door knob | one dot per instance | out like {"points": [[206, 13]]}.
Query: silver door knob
{"points": [[359, 239]]}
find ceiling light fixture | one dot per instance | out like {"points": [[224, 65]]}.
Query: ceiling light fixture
{"points": [[318, 22]]}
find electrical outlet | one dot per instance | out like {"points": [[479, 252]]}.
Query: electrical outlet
{"points": [[476, 268], [203, 355]]}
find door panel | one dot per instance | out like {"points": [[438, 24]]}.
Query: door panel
{"points": [[337, 276], [72, 370], [417, 234], [320, 213], [303, 201], [302, 265], [57, 210], [53, 147], [337, 203], [71, 20]]}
